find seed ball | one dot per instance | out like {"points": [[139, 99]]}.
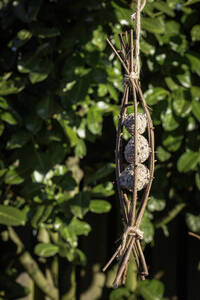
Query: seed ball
{"points": [[142, 150], [126, 179], [141, 123]]}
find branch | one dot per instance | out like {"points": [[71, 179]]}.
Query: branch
{"points": [[194, 235], [171, 215], [32, 267]]}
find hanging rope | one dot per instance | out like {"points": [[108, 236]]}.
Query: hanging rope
{"points": [[137, 16]]}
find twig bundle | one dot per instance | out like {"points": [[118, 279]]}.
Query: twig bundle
{"points": [[132, 236]]}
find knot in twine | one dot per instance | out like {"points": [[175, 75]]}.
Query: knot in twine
{"points": [[133, 231], [129, 77]]}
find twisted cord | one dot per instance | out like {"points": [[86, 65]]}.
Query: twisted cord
{"points": [[137, 15], [130, 231]]}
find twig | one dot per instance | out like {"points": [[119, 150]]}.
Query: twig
{"points": [[194, 235], [117, 54], [151, 158], [118, 151]]}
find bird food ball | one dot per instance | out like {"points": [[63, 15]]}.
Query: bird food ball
{"points": [[141, 123], [126, 179], [142, 150]]}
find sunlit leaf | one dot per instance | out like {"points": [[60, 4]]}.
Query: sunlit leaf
{"points": [[195, 33], [11, 216], [99, 206], [188, 161], [193, 222], [151, 289], [46, 249]]}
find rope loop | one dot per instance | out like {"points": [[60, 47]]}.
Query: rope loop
{"points": [[133, 16], [130, 231], [129, 77]]}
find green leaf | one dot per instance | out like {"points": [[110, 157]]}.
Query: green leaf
{"points": [[155, 25], [46, 249], [79, 257], [99, 206], [2, 168], [12, 216], [94, 121], [173, 140], [195, 92], [8, 118], [37, 214], [169, 121], [193, 222], [147, 48], [196, 109], [150, 289], [184, 79], [24, 34], [37, 77], [148, 229], [155, 204], [162, 154], [80, 149], [45, 108], [45, 32], [70, 133], [33, 123], [79, 89], [79, 227], [112, 91], [188, 161], [103, 190], [37, 68], [197, 179], [172, 27], [119, 294], [99, 38], [80, 204], [181, 103], [121, 12], [70, 236], [195, 33], [11, 86], [164, 7], [18, 140], [12, 177], [2, 127], [171, 83], [3, 103], [194, 59], [190, 2], [155, 94], [101, 173], [66, 181], [102, 90]]}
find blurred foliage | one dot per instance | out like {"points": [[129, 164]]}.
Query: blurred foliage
{"points": [[59, 81]]}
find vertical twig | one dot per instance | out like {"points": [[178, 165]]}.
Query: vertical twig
{"points": [[151, 159]]}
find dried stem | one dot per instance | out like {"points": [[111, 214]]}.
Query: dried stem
{"points": [[151, 158], [134, 196], [119, 57], [118, 151], [194, 235], [123, 264]]}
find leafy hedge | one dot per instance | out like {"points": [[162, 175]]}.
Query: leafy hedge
{"points": [[59, 84]]}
